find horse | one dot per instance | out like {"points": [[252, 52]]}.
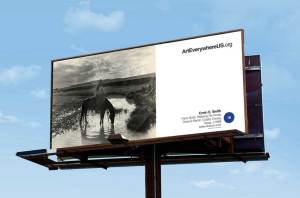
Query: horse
{"points": [[107, 106], [92, 103]]}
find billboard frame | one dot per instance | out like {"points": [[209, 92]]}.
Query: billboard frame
{"points": [[209, 148], [158, 43]]}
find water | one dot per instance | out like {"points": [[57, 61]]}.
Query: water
{"points": [[72, 136]]}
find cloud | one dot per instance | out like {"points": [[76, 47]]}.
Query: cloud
{"points": [[78, 48], [211, 183], [250, 167], [273, 133], [8, 119], [198, 28], [119, 64], [82, 17], [32, 124], [279, 77], [278, 81], [163, 5], [258, 168], [11, 119], [273, 173], [16, 74], [40, 94], [253, 167]]}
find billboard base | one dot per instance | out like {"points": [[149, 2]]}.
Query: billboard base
{"points": [[200, 148], [122, 153], [222, 146]]}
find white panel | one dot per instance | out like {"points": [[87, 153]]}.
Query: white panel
{"points": [[190, 83]]}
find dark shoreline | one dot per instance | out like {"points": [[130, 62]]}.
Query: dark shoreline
{"points": [[144, 115]]}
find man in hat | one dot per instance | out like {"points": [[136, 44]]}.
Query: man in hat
{"points": [[100, 93]]}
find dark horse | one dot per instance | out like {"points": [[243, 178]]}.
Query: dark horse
{"points": [[91, 104]]}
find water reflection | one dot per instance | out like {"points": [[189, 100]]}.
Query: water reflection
{"points": [[96, 134], [95, 137]]}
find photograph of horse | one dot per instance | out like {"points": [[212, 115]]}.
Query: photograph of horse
{"points": [[94, 96], [92, 104]]}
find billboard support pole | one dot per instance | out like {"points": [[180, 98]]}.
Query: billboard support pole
{"points": [[152, 173]]}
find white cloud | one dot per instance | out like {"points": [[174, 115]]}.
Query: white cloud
{"points": [[78, 48], [82, 17], [211, 183], [253, 167], [258, 168], [32, 124], [8, 119], [204, 183], [40, 94], [11, 119], [198, 28], [278, 81], [273, 173], [163, 5], [273, 133], [235, 171], [278, 77], [15, 74], [250, 167]]}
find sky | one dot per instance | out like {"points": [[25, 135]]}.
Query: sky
{"points": [[32, 33], [120, 64]]}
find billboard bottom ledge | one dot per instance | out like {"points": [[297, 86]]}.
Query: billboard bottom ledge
{"points": [[41, 157], [151, 141]]}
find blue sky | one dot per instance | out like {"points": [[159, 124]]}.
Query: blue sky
{"points": [[33, 33]]}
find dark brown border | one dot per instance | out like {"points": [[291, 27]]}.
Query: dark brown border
{"points": [[151, 44], [51, 103], [244, 82], [151, 141]]}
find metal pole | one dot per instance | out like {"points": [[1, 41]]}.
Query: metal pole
{"points": [[153, 173]]}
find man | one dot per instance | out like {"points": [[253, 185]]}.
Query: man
{"points": [[100, 93]]}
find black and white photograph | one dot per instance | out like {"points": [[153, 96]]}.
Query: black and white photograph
{"points": [[95, 96]]}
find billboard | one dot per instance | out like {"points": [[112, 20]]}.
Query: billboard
{"points": [[182, 87]]}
